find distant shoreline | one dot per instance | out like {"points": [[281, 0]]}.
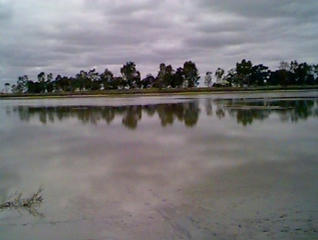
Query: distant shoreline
{"points": [[156, 92]]}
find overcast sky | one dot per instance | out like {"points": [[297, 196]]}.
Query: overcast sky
{"points": [[67, 36]]}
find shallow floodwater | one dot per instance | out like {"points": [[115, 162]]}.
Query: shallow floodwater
{"points": [[239, 166]]}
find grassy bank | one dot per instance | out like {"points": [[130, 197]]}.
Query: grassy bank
{"points": [[155, 92]]}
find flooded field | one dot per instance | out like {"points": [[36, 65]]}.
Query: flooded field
{"points": [[236, 166]]}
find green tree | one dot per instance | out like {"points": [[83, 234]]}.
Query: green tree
{"points": [[280, 77], [301, 73], [119, 82], [168, 76], [231, 77], [14, 88], [148, 81], [107, 79], [315, 73], [283, 65], [94, 79], [178, 78], [34, 87], [83, 81], [6, 87], [41, 80], [160, 76], [208, 79], [130, 75], [49, 83], [191, 74], [63, 83], [244, 71], [219, 73], [21, 86], [260, 75]]}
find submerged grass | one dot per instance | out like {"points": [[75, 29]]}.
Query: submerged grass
{"points": [[30, 204]]}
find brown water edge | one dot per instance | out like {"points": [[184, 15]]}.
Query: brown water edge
{"points": [[159, 92]]}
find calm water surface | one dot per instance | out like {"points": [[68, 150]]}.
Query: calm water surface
{"points": [[204, 167]]}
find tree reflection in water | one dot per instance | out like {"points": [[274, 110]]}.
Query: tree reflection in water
{"points": [[245, 112], [287, 110], [131, 115]]}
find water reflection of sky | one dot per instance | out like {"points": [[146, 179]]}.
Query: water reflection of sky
{"points": [[109, 171]]}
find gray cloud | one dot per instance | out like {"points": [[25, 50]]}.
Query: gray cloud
{"points": [[5, 12], [300, 10], [65, 37]]}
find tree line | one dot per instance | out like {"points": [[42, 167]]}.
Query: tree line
{"points": [[186, 76], [244, 74]]}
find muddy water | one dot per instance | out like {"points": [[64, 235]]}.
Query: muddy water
{"points": [[204, 167]]}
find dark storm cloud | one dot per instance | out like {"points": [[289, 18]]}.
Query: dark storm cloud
{"points": [[67, 36]]}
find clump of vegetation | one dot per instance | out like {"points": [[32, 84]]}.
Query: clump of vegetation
{"points": [[17, 201]]}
